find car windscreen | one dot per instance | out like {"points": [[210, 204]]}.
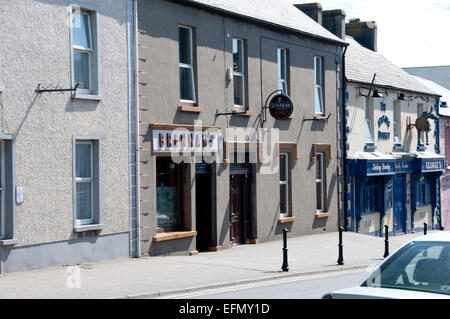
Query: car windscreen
{"points": [[420, 266]]}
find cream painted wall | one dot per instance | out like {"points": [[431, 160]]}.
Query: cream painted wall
{"points": [[356, 136]]}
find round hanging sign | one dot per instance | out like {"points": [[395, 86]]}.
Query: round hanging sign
{"points": [[281, 107]]}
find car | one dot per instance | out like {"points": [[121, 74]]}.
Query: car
{"points": [[419, 269]]}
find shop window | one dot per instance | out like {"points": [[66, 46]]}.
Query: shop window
{"points": [[169, 195], [283, 68], [423, 191], [85, 57], [186, 65], [239, 70]]}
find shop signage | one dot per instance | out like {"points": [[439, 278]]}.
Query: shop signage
{"points": [[180, 140], [384, 135], [380, 168], [404, 166], [432, 165], [281, 107]]}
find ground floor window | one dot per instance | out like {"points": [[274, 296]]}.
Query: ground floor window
{"points": [[169, 190], [284, 184], [423, 192], [320, 182]]}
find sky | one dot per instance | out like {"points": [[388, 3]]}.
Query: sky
{"points": [[411, 33]]}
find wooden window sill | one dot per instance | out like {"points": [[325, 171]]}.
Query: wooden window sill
{"points": [[322, 215], [242, 113], [284, 220], [173, 235], [192, 109]]}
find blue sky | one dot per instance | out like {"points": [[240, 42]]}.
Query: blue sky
{"points": [[410, 32]]}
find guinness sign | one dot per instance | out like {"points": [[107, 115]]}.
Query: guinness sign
{"points": [[281, 107]]}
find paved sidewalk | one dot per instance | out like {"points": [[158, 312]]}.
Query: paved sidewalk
{"points": [[163, 276]]}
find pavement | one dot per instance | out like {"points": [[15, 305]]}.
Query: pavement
{"points": [[166, 276]]}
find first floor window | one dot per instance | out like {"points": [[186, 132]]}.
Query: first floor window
{"points": [[186, 64], [84, 50], [284, 185], [86, 182], [368, 122], [397, 123], [282, 60], [320, 182], [318, 85], [239, 65]]}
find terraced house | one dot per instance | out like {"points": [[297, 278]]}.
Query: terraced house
{"points": [[208, 71], [393, 164], [64, 140]]}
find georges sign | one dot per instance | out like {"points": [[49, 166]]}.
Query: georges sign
{"points": [[281, 107]]}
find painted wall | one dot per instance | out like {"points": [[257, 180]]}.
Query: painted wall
{"points": [[445, 179], [409, 108], [159, 92], [35, 49]]}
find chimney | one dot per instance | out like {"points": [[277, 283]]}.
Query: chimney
{"points": [[334, 21], [313, 10], [365, 33]]}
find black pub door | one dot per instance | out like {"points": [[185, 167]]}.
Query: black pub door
{"points": [[204, 206], [239, 208]]}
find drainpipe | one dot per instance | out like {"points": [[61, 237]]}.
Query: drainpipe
{"points": [[133, 127], [344, 136]]}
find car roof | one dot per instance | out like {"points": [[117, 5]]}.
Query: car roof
{"points": [[437, 236]]}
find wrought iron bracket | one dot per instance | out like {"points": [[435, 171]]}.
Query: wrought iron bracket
{"points": [[39, 90]]}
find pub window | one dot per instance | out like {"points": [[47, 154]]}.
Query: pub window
{"points": [[169, 195], [186, 64], [239, 65], [320, 182], [85, 58], [371, 196], [285, 185], [423, 192], [282, 61], [318, 85]]}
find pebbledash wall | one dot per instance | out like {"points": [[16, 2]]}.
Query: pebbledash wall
{"points": [[39, 132], [209, 213]]}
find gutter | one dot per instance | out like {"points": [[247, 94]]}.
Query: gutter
{"points": [[260, 22], [388, 87]]}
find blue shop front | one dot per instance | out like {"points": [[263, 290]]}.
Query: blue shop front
{"points": [[398, 190]]}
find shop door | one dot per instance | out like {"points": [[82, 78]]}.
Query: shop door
{"points": [[204, 207], [399, 204], [239, 206]]}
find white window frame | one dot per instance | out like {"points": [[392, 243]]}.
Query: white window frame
{"points": [[94, 92], [318, 86], [320, 160], [283, 65], [368, 120], [85, 180], [2, 189], [285, 182], [189, 66], [241, 44], [397, 122]]}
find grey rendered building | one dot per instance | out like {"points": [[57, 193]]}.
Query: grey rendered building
{"points": [[218, 62], [65, 157]]}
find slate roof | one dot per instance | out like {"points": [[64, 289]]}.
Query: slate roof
{"points": [[274, 12], [444, 92], [361, 64], [438, 74]]}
